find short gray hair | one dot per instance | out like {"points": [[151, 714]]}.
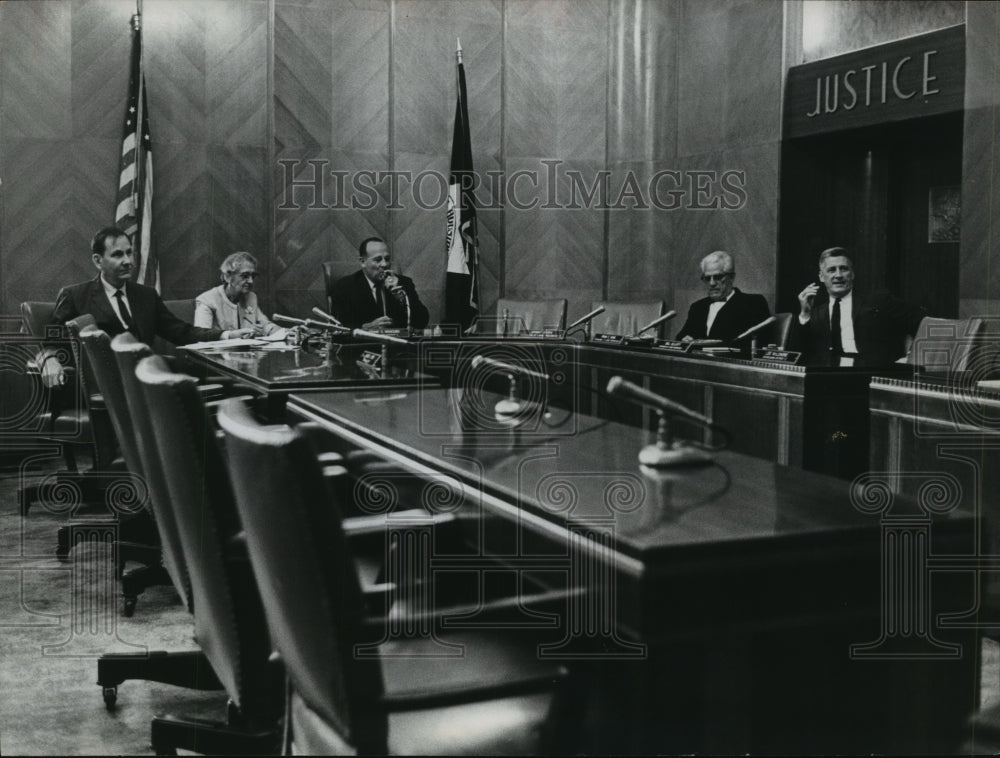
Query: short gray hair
{"points": [[722, 257], [233, 260]]}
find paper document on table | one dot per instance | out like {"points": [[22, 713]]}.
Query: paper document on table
{"points": [[223, 344]]}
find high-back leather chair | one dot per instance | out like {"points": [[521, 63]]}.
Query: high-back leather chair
{"points": [[139, 537], [514, 316], [392, 698], [127, 352], [947, 344], [229, 620], [777, 333], [334, 271], [626, 318]]}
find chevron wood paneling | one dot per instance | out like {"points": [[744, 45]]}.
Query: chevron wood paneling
{"points": [[556, 97], [101, 41], [424, 82], [236, 71], [42, 242], [35, 70], [303, 83], [360, 65], [174, 52]]}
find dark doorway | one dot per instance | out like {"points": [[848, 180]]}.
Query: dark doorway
{"points": [[874, 191]]}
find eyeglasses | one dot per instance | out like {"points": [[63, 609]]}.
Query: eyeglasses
{"points": [[246, 275], [716, 277]]}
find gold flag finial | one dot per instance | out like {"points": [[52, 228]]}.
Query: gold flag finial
{"points": [[458, 49]]}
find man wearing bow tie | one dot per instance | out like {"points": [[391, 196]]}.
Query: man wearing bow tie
{"points": [[376, 297], [837, 327], [117, 303]]}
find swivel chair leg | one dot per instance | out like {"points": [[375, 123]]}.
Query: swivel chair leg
{"points": [[189, 669]]}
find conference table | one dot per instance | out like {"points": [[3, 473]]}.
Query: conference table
{"points": [[733, 606], [272, 371]]}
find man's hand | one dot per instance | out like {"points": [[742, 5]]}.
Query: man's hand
{"points": [[382, 322], [806, 300], [52, 372], [687, 338]]}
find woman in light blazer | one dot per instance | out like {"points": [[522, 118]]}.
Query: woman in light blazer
{"points": [[232, 306]]}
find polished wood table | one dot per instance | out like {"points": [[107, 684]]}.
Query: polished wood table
{"points": [[737, 606], [274, 372]]}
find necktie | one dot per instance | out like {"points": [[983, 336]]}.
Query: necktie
{"points": [[123, 309], [836, 345]]}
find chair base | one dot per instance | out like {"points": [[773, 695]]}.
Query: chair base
{"points": [[92, 486], [170, 733], [135, 582], [189, 669]]}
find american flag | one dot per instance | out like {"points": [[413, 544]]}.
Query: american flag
{"points": [[134, 209]]}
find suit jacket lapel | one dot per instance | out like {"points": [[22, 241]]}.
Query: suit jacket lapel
{"points": [[98, 305]]}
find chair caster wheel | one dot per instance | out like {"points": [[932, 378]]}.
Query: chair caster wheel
{"points": [[128, 607], [110, 697]]}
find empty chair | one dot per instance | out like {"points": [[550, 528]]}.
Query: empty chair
{"points": [[229, 621], [353, 689], [946, 344], [777, 333], [626, 318], [138, 538], [514, 316]]}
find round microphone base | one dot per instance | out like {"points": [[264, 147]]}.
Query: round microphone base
{"points": [[679, 454], [505, 409]]}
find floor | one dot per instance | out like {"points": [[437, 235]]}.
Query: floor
{"points": [[49, 701]]}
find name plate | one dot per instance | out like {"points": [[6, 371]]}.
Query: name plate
{"points": [[777, 355], [609, 339], [393, 332], [674, 346], [371, 359], [536, 334]]}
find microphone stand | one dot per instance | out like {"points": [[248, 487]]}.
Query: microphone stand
{"points": [[666, 452]]}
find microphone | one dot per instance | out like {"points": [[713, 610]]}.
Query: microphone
{"points": [[509, 368], [663, 452], [624, 388], [376, 337], [656, 322], [327, 316], [754, 329], [586, 319], [310, 323]]}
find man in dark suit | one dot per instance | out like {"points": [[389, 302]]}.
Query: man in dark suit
{"points": [[837, 328], [117, 303], [375, 297], [726, 312]]}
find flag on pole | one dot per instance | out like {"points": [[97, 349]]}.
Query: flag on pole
{"points": [[134, 209], [462, 241]]}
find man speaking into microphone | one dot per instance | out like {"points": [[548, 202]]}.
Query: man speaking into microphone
{"points": [[376, 297]]}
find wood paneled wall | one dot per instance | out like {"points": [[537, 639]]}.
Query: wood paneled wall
{"points": [[255, 102]]}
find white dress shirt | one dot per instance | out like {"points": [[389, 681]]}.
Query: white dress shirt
{"points": [[713, 310], [110, 292]]}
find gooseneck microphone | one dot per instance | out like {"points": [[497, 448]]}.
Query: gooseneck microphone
{"points": [[327, 316], [664, 452], [656, 322], [588, 318], [624, 388], [509, 368], [754, 329]]}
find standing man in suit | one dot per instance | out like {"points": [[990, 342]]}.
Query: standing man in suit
{"points": [[117, 303], [837, 328], [375, 297], [726, 312]]}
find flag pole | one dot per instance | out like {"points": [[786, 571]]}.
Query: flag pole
{"points": [[137, 29]]}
